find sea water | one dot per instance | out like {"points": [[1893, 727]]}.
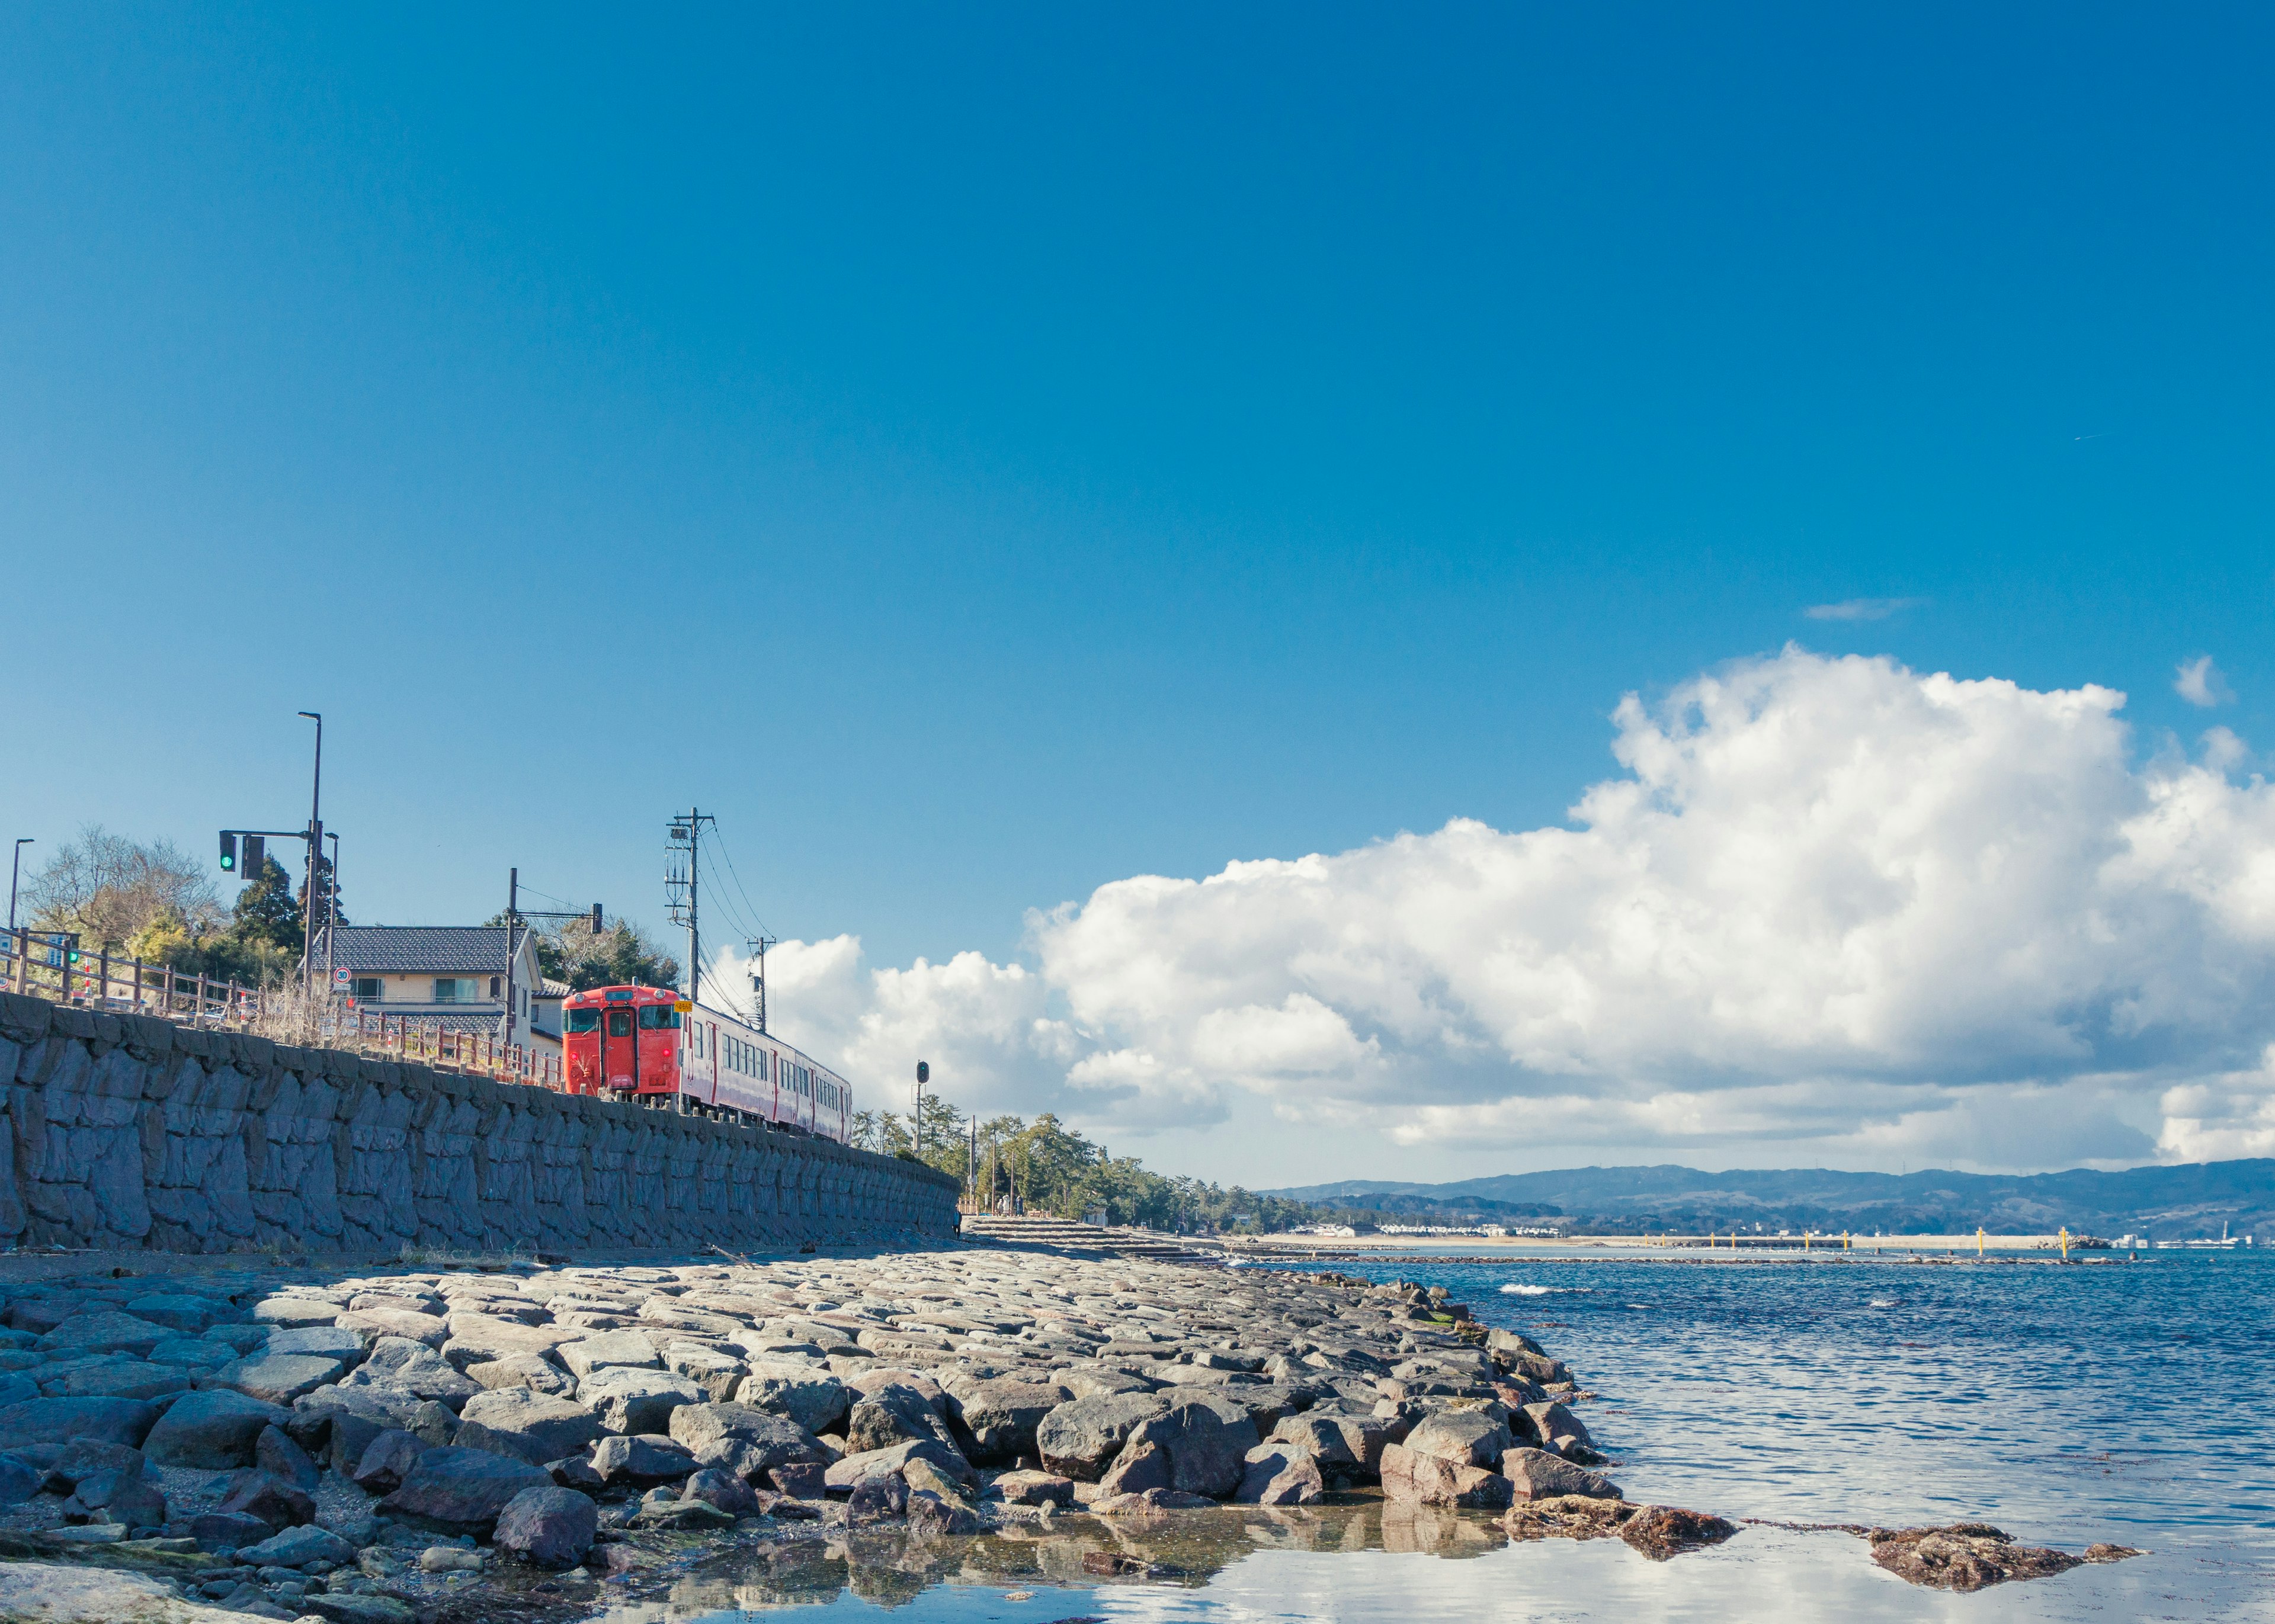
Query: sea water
{"points": [[2126, 1403]]}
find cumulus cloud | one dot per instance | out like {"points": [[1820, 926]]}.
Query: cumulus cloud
{"points": [[1831, 906], [1862, 609], [2199, 682]]}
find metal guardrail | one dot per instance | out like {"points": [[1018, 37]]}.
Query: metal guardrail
{"points": [[52, 965]]}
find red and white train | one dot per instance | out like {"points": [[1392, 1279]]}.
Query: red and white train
{"points": [[649, 1041]]}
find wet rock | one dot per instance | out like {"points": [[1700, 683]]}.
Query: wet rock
{"points": [[1032, 1488], [641, 1460], [387, 1461], [1280, 1475], [1661, 1532], [724, 1490], [684, 1515], [1966, 1556], [1539, 1475], [278, 1379], [1567, 1517], [213, 1431], [461, 1491], [1354, 1443], [1432, 1480], [876, 1496], [1081, 1438], [843, 1474], [517, 1422], [1551, 1426], [55, 1421], [629, 1400], [933, 1516], [1207, 1455], [893, 1414], [281, 1458], [803, 1480], [1143, 1464], [549, 1527]]}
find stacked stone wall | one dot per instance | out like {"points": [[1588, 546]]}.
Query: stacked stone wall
{"points": [[125, 1130]]}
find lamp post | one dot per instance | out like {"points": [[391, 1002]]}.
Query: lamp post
{"points": [[15, 867], [916, 1117], [315, 856]]}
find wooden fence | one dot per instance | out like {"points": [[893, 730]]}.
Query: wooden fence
{"points": [[54, 967]]}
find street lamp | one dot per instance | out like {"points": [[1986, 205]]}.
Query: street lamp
{"points": [[15, 867], [916, 1117]]}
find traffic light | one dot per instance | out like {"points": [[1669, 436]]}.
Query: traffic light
{"points": [[596, 919], [924, 1074], [255, 853], [228, 852]]}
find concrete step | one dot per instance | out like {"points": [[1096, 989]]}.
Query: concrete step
{"points": [[1035, 1229]]}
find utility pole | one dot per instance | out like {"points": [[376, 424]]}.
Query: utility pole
{"points": [[681, 890], [315, 858], [15, 868], [512, 905], [916, 1116], [759, 946], [331, 906]]}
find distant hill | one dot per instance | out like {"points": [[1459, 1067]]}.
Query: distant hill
{"points": [[2171, 1202]]}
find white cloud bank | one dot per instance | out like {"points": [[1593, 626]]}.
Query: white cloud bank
{"points": [[1831, 910]]}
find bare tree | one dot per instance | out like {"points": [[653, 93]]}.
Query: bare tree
{"points": [[107, 888]]}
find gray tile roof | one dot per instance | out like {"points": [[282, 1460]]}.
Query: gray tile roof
{"points": [[418, 949], [547, 987]]}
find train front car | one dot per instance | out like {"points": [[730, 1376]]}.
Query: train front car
{"points": [[622, 1040]]}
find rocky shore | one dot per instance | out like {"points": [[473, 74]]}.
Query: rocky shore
{"points": [[426, 1446]]}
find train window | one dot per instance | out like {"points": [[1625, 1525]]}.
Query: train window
{"points": [[658, 1018], [584, 1020], [621, 995], [620, 1023]]}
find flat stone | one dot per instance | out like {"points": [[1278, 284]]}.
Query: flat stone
{"points": [[213, 1430], [346, 1607], [548, 1527], [61, 1593], [531, 1370], [277, 1378], [116, 1378], [399, 1361], [56, 1421], [104, 1332], [459, 1490], [610, 1349], [430, 1329], [814, 1399], [529, 1426], [486, 1336], [325, 1342], [289, 1312], [179, 1313]]}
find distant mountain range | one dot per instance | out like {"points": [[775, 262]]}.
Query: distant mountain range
{"points": [[2174, 1203]]}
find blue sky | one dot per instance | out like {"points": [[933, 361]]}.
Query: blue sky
{"points": [[988, 455]]}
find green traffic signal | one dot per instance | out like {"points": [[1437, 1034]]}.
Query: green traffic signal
{"points": [[228, 852]]}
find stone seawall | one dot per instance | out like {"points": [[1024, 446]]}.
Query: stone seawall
{"points": [[129, 1132]]}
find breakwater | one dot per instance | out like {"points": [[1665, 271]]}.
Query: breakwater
{"points": [[129, 1131]]}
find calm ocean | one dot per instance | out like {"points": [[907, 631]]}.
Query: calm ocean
{"points": [[2068, 1405]]}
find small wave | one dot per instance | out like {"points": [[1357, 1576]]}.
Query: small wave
{"points": [[1881, 1303], [1515, 1290]]}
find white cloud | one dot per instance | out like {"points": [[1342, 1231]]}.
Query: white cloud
{"points": [[2199, 682], [1834, 908], [1862, 609]]}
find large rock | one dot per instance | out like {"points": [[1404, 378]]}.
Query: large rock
{"points": [[476, 1338], [1280, 1475], [275, 1453], [323, 1342], [296, 1547], [278, 1379], [1557, 1430], [843, 1474], [744, 1440], [1539, 1475], [609, 1349], [1465, 1437], [57, 1421], [56, 1593], [101, 1333], [1432, 1480], [105, 1379], [548, 1527], [641, 1462], [269, 1500], [399, 1361], [531, 1370], [1663, 1532], [212, 1431], [1352, 1443], [1080, 1439], [629, 1399], [408, 1323], [456, 1491], [893, 1413], [816, 1400], [722, 1489], [517, 1422], [1207, 1455], [1001, 1415], [387, 1461], [340, 1423], [289, 1312], [186, 1314], [933, 1516], [1031, 1488]]}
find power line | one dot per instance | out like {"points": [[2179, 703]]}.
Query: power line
{"points": [[722, 844]]}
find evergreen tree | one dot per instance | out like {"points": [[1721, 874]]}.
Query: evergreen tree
{"points": [[266, 911], [323, 893]]}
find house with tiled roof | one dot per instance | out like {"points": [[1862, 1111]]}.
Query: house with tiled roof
{"points": [[453, 974]]}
